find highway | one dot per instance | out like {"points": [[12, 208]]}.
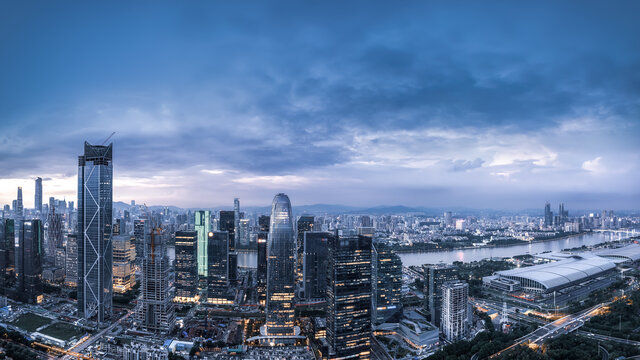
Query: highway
{"points": [[559, 327], [81, 346], [607, 338]]}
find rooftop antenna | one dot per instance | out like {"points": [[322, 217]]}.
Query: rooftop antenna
{"points": [[107, 139]]}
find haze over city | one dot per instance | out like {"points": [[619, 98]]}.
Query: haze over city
{"points": [[480, 105]]}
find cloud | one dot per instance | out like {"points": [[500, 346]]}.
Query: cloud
{"points": [[594, 166], [465, 165]]}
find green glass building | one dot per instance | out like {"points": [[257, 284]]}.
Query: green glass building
{"points": [[203, 227]]}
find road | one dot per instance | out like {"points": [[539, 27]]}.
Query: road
{"points": [[80, 347], [377, 350], [559, 327], [607, 338]]}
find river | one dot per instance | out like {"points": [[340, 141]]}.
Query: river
{"points": [[249, 258]]}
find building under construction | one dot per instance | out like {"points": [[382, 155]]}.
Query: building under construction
{"points": [[155, 311]]}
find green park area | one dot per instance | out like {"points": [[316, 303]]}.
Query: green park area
{"points": [[63, 331], [31, 322]]}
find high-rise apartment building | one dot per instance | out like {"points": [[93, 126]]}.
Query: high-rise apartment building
{"points": [[123, 271], [349, 297], [71, 261], [314, 266], [386, 284], [305, 223], [455, 310], [218, 291], [434, 277], [281, 252], [156, 312], [29, 261], [203, 227], [186, 265], [95, 252], [38, 195]]}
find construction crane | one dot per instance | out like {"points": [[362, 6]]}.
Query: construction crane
{"points": [[107, 139], [61, 351]]}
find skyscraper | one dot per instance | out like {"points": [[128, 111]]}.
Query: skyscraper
{"points": [[281, 252], [434, 277], [123, 273], [548, 215], [140, 229], [203, 227], [349, 297], [263, 235], [455, 316], [4, 258], [236, 222], [8, 239], [228, 224], [244, 233], [387, 284], [54, 233], [305, 223], [29, 261], [218, 257], [314, 265], [71, 261], [19, 205], [38, 196], [156, 312], [95, 252], [186, 265]]}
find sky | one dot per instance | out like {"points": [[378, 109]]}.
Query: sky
{"points": [[500, 105]]}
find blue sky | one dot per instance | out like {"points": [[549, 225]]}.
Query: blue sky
{"points": [[475, 104]]}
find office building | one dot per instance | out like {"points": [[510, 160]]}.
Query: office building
{"points": [[203, 227], [314, 266], [236, 224], [218, 291], [71, 261], [387, 284], [263, 235], [19, 208], [156, 312], [548, 215], [244, 233], [349, 297], [281, 248], [186, 265], [455, 310], [29, 261], [123, 271], [38, 196], [233, 268], [434, 277], [95, 253], [55, 234], [305, 223], [140, 229], [228, 224], [8, 240]]}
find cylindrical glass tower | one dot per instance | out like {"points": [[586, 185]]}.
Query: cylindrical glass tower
{"points": [[280, 269]]}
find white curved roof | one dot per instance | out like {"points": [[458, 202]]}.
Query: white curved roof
{"points": [[630, 252], [562, 273]]}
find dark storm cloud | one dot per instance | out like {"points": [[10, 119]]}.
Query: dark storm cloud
{"points": [[287, 87]]}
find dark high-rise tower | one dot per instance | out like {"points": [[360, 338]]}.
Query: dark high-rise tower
{"points": [[263, 235], [387, 284], [29, 256], [186, 265], [19, 205], [236, 223], [38, 195], [434, 277], [95, 255], [217, 279], [305, 223], [314, 265], [281, 252], [8, 240], [349, 297], [548, 215], [228, 224]]}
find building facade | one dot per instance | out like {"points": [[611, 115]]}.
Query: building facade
{"points": [[349, 297], [434, 277], [281, 251], [95, 252], [455, 310], [123, 271], [203, 227], [71, 261], [186, 265], [387, 284], [29, 261], [38, 195], [314, 267], [218, 291]]}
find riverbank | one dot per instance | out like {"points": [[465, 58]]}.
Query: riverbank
{"points": [[419, 249]]}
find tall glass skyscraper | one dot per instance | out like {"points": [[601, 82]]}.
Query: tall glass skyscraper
{"points": [[95, 253], [203, 227], [29, 256], [218, 257], [281, 252], [38, 196], [19, 205], [186, 265]]}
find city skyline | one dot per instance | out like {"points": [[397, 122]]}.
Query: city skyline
{"points": [[396, 105]]}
